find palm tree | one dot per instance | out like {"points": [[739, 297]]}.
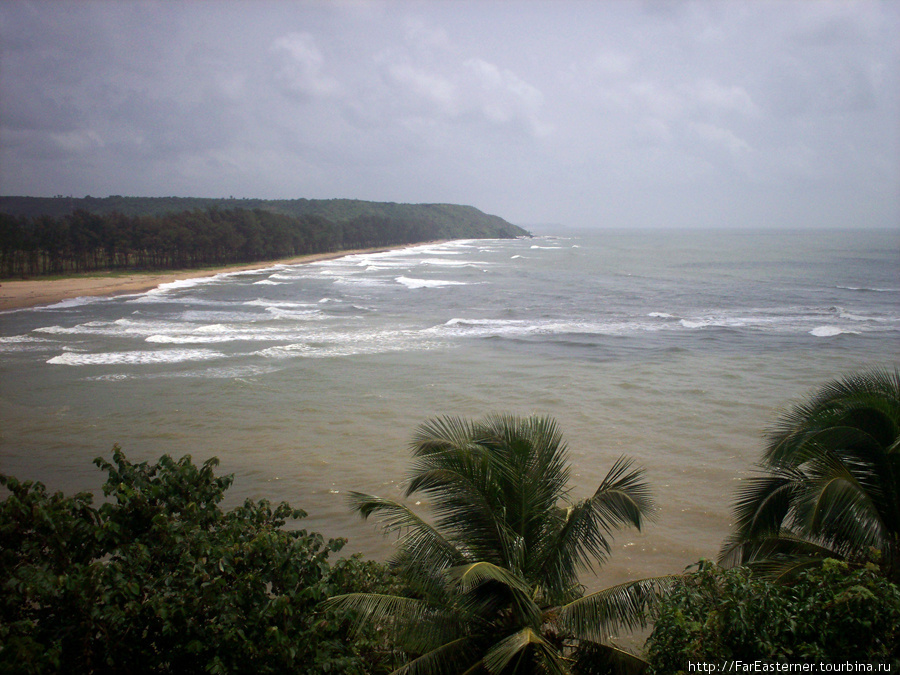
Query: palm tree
{"points": [[494, 579], [831, 482]]}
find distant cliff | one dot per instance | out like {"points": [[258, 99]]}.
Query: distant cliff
{"points": [[61, 235]]}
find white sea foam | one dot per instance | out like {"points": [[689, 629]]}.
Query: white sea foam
{"points": [[285, 304], [53, 330], [484, 326], [830, 331], [336, 343], [246, 332], [191, 339], [235, 335], [286, 351], [462, 327], [268, 282], [214, 328], [485, 322], [869, 290], [254, 272], [204, 316], [134, 357], [849, 316], [296, 314], [427, 283], [284, 276], [23, 339], [379, 266], [166, 292], [364, 282], [755, 322], [241, 373], [73, 303], [443, 262], [511, 328], [117, 328], [25, 343], [182, 284]]}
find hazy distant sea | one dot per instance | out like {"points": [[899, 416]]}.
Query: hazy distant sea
{"points": [[676, 348]]}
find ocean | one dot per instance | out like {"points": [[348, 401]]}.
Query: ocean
{"points": [[676, 348]]}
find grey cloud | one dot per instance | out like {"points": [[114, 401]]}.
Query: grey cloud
{"points": [[539, 110], [301, 66]]}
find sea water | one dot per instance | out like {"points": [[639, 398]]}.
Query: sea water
{"points": [[677, 349]]}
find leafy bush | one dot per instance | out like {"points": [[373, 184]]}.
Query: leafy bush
{"points": [[160, 579], [831, 613]]}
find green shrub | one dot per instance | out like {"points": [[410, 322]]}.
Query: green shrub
{"points": [[829, 614], [160, 579]]}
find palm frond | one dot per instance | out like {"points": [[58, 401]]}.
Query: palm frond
{"points": [[534, 456], [592, 658], [441, 433], [832, 478], [456, 468], [834, 506], [517, 646], [420, 541], [464, 508], [623, 497], [451, 658], [419, 625], [465, 577], [493, 482], [764, 502], [467, 580], [579, 534], [574, 540], [776, 555], [867, 401], [783, 568], [622, 606]]}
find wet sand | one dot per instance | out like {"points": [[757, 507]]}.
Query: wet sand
{"points": [[40, 292]]}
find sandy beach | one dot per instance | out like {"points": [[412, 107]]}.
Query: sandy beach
{"points": [[40, 292]]}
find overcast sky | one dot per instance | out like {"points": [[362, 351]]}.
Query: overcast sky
{"points": [[579, 112]]}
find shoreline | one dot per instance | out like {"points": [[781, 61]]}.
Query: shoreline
{"points": [[42, 292]]}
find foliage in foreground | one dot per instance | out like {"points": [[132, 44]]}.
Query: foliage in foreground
{"points": [[831, 613], [161, 580], [496, 574], [830, 485]]}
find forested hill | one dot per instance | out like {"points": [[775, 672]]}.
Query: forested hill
{"points": [[450, 216], [62, 235]]}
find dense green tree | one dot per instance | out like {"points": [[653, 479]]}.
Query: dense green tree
{"points": [[828, 614], [830, 485], [53, 236], [159, 579], [495, 576], [14, 245]]}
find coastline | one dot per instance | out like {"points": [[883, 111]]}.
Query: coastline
{"points": [[42, 292]]}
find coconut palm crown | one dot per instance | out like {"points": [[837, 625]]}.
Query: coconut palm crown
{"points": [[495, 576], [830, 482]]}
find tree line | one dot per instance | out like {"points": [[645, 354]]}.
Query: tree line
{"points": [[89, 241]]}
